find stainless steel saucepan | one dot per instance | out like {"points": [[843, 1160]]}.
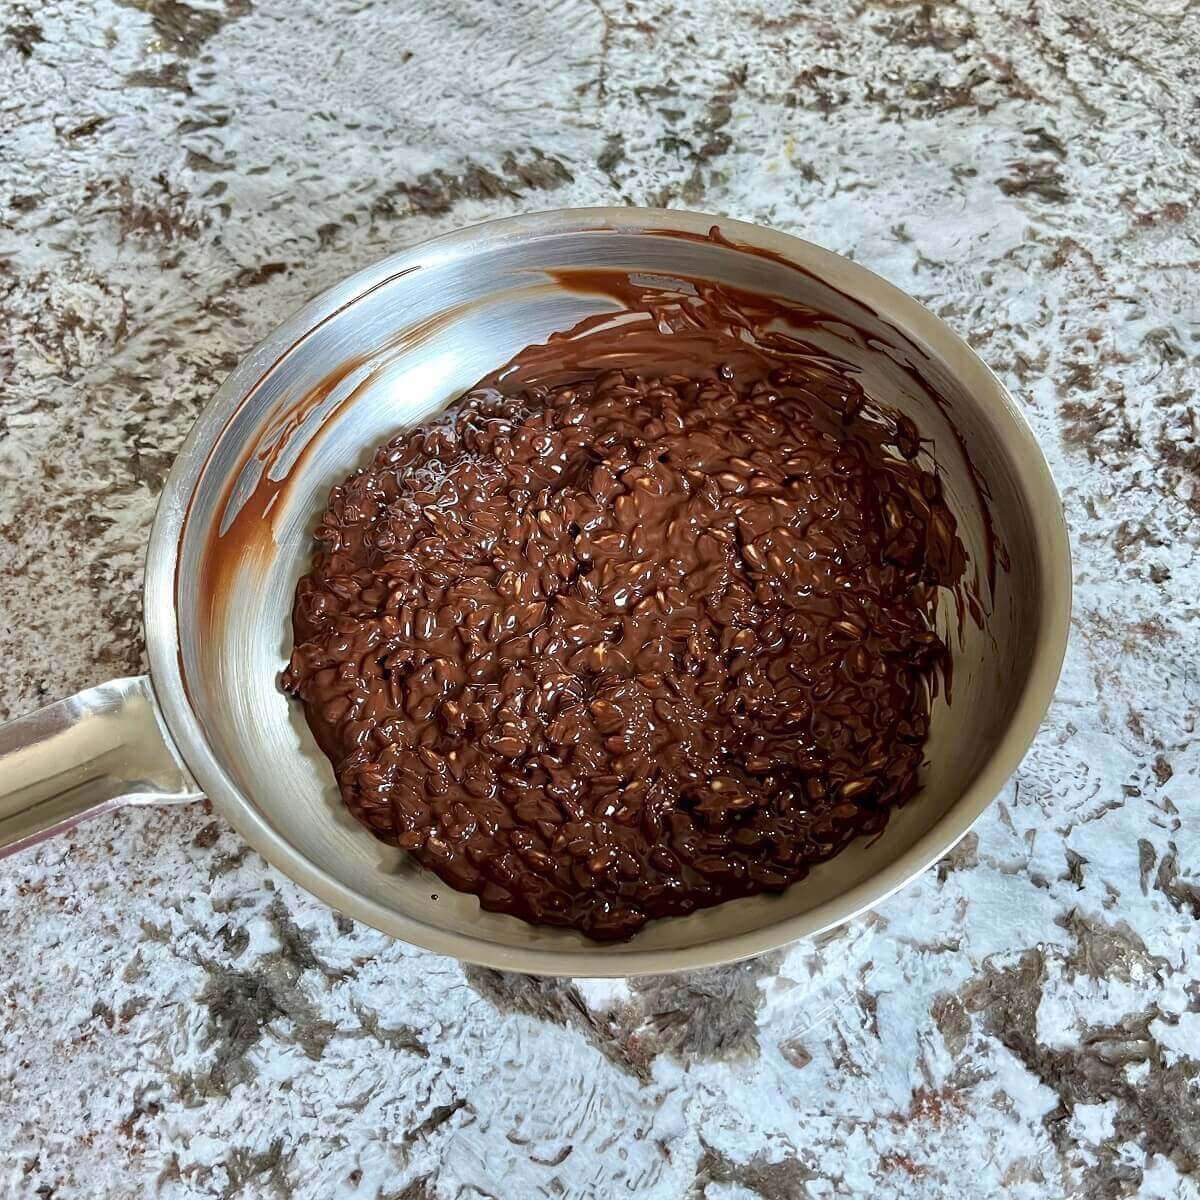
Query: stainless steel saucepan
{"points": [[382, 350]]}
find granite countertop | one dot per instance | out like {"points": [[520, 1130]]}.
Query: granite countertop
{"points": [[177, 1019]]}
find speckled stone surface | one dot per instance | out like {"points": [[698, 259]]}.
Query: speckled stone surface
{"points": [[176, 1019]]}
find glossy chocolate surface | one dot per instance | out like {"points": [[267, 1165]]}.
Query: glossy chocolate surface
{"points": [[643, 623]]}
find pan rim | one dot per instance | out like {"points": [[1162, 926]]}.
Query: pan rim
{"points": [[1034, 479]]}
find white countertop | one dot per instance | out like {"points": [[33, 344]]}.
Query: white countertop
{"points": [[176, 1019]]}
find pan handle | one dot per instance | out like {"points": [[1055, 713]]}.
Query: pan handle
{"points": [[83, 756]]}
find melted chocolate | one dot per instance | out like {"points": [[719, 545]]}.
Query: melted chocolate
{"points": [[644, 623]]}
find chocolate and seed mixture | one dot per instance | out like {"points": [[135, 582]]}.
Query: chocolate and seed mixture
{"points": [[644, 623]]}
